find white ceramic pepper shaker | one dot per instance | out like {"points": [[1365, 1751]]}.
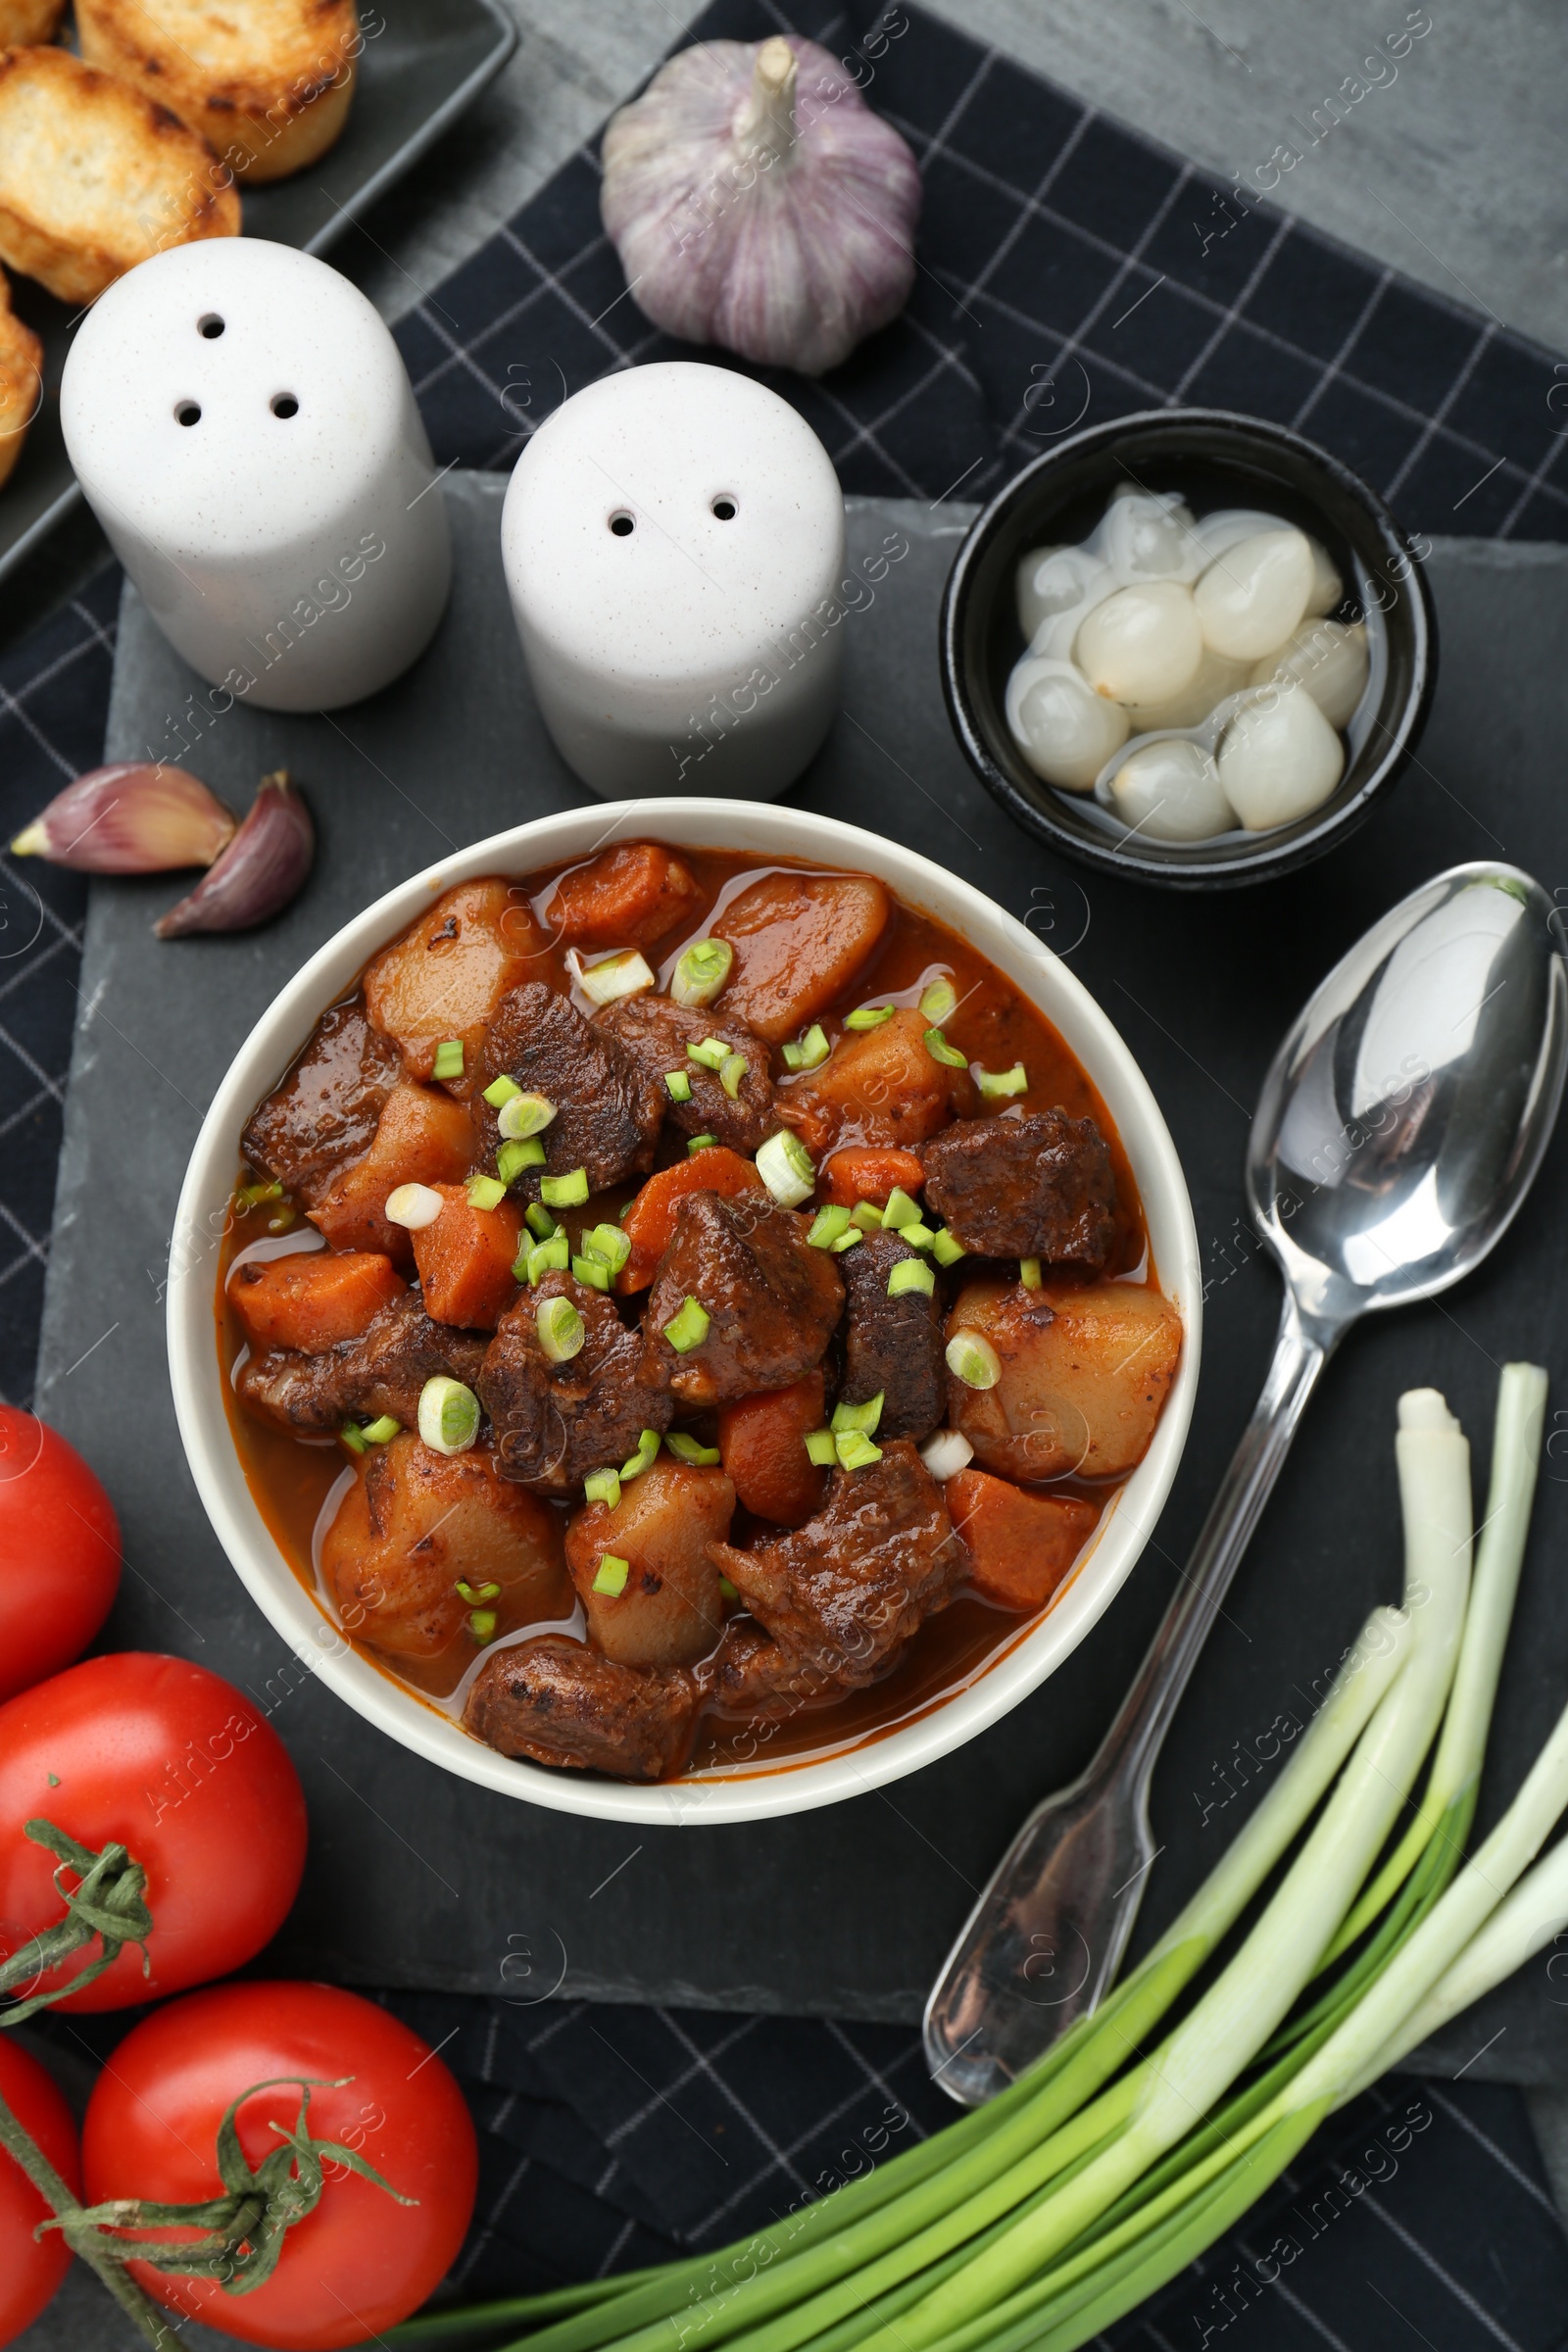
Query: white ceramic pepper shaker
{"points": [[243, 427], [673, 542]]}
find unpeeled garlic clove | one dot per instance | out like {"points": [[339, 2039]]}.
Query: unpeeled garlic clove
{"points": [[1279, 759], [134, 817], [1253, 595], [1171, 791], [257, 874], [1066, 730], [1326, 657], [1143, 644]]}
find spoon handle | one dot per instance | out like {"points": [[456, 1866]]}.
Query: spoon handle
{"points": [[1045, 1936]]}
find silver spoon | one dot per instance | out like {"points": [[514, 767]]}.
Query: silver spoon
{"points": [[1399, 1129]]}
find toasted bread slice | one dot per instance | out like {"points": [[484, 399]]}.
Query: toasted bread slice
{"points": [[94, 178], [267, 83], [20, 381], [29, 21]]}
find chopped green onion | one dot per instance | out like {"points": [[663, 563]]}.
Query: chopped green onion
{"points": [[911, 1274], [859, 1416], [381, 1431], [946, 1453], [848, 1241], [448, 1415], [476, 1594], [701, 972], [995, 1085], [685, 1449], [815, 1047], [973, 1359], [919, 1236], [539, 1220], [899, 1210], [820, 1448], [552, 1257], [726, 1591], [827, 1225], [945, 1249], [448, 1058], [868, 1017], [787, 1168], [603, 1486], [352, 1437], [562, 1329], [565, 1191], [482, 1625], [687, 1327], [413, 1207], [513, 1158], [1029, 1273], [790, 1054], [677, 1086], [501, 1090], [593, 1271], [731, 1070], [609, 1242], [867, 1216], [524, 1116], [250, 1194], [609, 1577], [612, 976], [711, 1054], [939, 1001], [645, 1454], [699, 1143], [486, 1191], [856, 1450], [283, 1219], [937, 1045]]}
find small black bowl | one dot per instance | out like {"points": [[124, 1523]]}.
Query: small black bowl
{"points": [[1215, 460]]}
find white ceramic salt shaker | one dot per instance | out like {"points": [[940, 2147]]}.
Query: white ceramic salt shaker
{"points": [[243, 427], [673, 543]]}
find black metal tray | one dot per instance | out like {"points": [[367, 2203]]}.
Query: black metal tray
{"points": [[429, 59]]}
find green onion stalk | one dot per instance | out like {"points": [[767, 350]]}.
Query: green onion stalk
{"points": [[1133, 2144]]}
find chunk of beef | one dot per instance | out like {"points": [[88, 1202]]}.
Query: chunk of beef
{"points": [[608, 1109], [324, 1113], [559, 1702], [381, 1371], [658, 1031], [1025, 1185], [554, 1423], [770, 1299], [842, 1593], [751, 1676], [893, 1345]]}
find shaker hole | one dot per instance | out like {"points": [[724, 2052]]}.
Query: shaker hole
{"points": [[724, 509], [212, 326], [622, 525], [285, 405], [188, 412]]}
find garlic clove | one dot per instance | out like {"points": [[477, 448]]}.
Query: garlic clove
{"points": [[1279, 759], [134, 817], [1214, 679], [1066, 730], [1171, 791], [257, 874], [1143, 644], [1149, 536], [1326, 657], [1253, 595]]}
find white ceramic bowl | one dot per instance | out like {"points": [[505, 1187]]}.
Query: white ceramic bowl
{"points": [[198, 1377]]}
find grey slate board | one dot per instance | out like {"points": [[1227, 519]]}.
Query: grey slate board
{"points": [[416, 1879]]}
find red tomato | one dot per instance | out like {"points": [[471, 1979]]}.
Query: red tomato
{"points": [[59, 1552], [30, 2269], [361, 2262], [194, 1782]]}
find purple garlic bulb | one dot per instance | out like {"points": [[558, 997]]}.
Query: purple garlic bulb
{"points": [[757, 202]]}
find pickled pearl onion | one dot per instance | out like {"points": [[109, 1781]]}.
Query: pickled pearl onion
{"points": [[1143, 644], [1250, 598], [1279, 759], [1066, 730], [1171, 791]]}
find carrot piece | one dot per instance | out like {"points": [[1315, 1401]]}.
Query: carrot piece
{"points": [[1020, 1545], [862, 1172], [629, 896], [311, 1298], [422, 1137], [762, 1444], [465, 1260], [651, 1219], [446, 976], [798, 941]]}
